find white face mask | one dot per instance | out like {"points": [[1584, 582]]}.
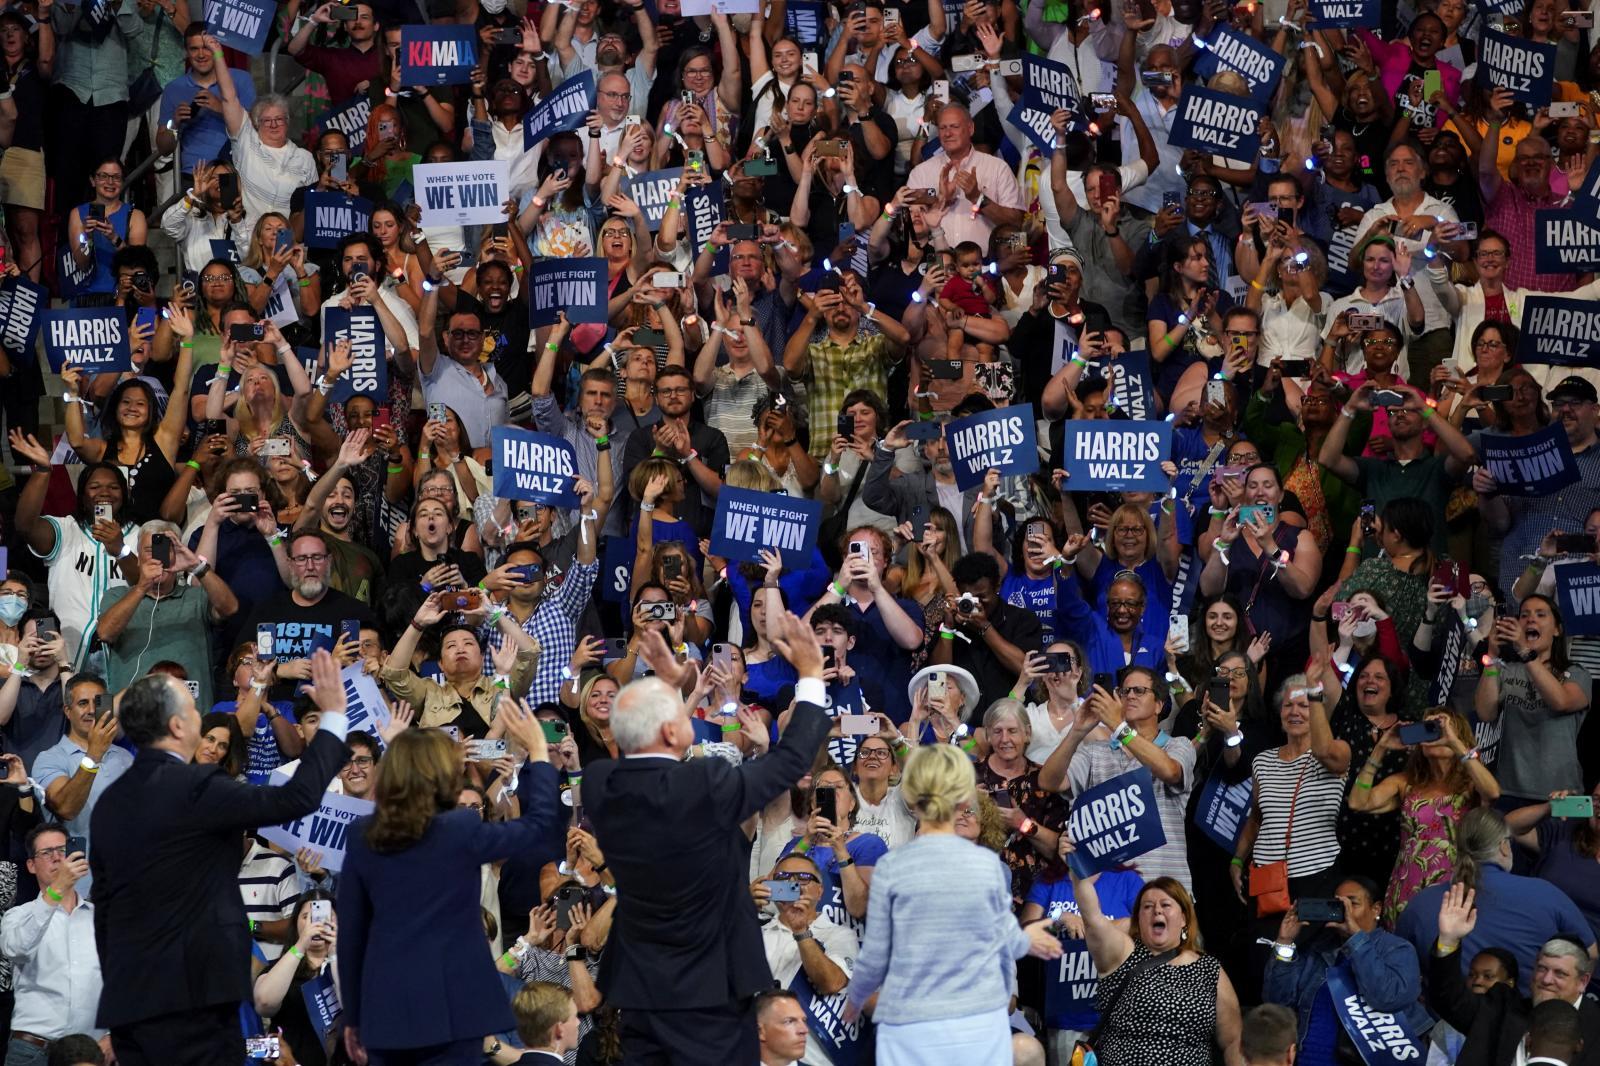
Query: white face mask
{"points": [[1364, 628], [493, 7]]}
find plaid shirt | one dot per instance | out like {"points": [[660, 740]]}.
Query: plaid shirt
{"points": [[554, 624], [838, 369], [1511, 213]]}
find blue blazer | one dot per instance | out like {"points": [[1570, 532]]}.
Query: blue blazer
{"points": [[414, 964]]}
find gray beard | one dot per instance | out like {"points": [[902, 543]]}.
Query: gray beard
{"points": [[311, 588]]}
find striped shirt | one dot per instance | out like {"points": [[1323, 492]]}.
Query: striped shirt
{"points": [[80, 573], [270, 889], [1313, 844]]}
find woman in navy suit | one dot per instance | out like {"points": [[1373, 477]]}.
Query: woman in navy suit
{"points": [[419, 986]]}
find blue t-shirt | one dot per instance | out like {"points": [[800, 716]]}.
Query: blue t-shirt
{"points": [[205, 136], [1072, 981], [768, 679], [1033, 594], [261, 750], [866, 849], [877, 655]]}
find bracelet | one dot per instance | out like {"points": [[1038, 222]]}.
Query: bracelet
{"points": [[1169, 342], [1319, 618], [1364, 784], [397, 470], [1471, 755], [424, 455], [837, 589], [53, 894], [274, 540], [294, 949], [305, 283], [1254, 284], [224, 369], [192, 465], [186, 344], [1027, 827], [1491, 671], [1351, 549], [1237, 861], [1221, 545], [538, 201], [1345, 412]]}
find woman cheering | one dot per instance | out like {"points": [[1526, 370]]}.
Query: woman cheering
{"points": [[408, 900]]}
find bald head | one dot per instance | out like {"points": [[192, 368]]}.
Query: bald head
{"points": [[955, 130]]}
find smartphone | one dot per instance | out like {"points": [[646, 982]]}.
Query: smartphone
{"points": [[1295, 368], [1152, 79], [161, 549], [924, 430], [1467, 232], [919, 524], [1106, 681], [339, 168], [941, 90], [761, 166], [1572, 807], [616, 648], [672, 567], [660, 612], [77, 845], [264, 641], [1494, 393], [246, 332], [486, 750], [1420, 732], [1365, 322], [321, 911], [97, 212], [1388, 398], [262, 1047], [1574, 20], [1319, 910], [858, 725], [554, 732], [1171, 201], [1217, 691], [275, 446], [1251, 511], [649, 338], [1451, 576], [1432, 82], [808, 62], [722, 657], [436, 412], [945, 369], [1369, 513], [891, 17], [102, 705], [783, 891], [742, 231], [832, 148], [567, 897], [227, 188], [350, 630], [858, 547], [1267, 211], [1058, 662], [1102, 102], [1564, 109], [666, 279], [694, 159], [461, 599], [937, 687], [830, 658], [247, 501], [828, 803], [965, 64], [103, 513], [1575, 544]]}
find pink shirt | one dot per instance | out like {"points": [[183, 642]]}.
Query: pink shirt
{"points": [[995, 182]]}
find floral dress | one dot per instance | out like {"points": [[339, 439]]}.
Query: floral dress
{"points": [[1427, 847]]}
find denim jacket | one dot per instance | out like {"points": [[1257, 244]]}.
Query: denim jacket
{"points": [[1384, 966]]}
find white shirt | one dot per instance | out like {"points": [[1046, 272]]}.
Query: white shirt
{"points": [[783, 956], [1433, 310], [1166, 179], [78, 585], [890, 821], [268, 176], [1045, 738], [55, 968], [194, 233]]}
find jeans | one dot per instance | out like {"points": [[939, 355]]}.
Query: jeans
{"points": [[19, 1053]]}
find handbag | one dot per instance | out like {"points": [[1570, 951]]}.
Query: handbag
{"points": [[1269, 883], [1083, 1053]]}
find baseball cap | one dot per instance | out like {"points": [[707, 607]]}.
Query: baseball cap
{"points": [[1574, 388]]}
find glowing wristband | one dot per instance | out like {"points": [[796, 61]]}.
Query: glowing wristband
{"points": [[396, 469], [224, 369], [192, 465], [837, 589], [53, 894], [1351, 549]]}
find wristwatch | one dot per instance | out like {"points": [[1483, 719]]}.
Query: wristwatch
{"points": [[803, 935], [89, 764], [578, 953]]}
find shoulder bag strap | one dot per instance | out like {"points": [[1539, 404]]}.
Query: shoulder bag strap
{"points": [[1139, 971], [855, 487], [1288, 830]]}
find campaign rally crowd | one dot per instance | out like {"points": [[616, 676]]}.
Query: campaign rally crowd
{"points": [[1160, 438]]}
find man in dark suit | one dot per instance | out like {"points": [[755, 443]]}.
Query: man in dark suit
{"points": [[1497, 1020], [685, 959], [169, 921]]}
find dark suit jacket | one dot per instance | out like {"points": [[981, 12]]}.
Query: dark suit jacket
{"points": [[1496, 1021], [168, 917], [685, 933], [413, 962]]}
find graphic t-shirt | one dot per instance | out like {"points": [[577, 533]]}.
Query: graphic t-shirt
{"points": [[1072, 981]]}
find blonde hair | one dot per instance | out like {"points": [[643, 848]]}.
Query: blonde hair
{"points": [[937, 777], [1142, 516], [641, 475], [749, 474]]}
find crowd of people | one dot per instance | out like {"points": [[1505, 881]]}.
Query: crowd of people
{"points": [[1345, 658]]}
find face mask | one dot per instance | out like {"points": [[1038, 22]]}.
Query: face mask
{"points": [[12, 608], [493, 7], [1364, 628], [1477, 605]]}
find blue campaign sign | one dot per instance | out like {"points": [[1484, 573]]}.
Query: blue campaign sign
{"points": [[22, 304], [1217, 123], [1565, 241], [1048, 85], [702, 210], [534, 466], [327, 830], [1559, 332], [564, 109], [1346, 14], [93, 339], [329, 216], [1035, 123], [1578, 588], [322, 1004], [1534, 464], [1002, 439], [802, 20], [1222, 809], [224, 251], [748, 521], [437, 55], [1117, 456], [71, 278], [240, 24], [369, 368], [1114, 822], [349, 118], [1382, 1039], [1526, 67], [843, 1042], [576, 286], [616, 569], [652, 192], [1228, 49], [1133, 390]]}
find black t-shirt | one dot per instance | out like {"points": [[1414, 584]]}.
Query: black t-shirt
{"points": [[509, 332], [877, 175], [409, 568], [1372, 138], [1019, 627], [298, 631], [1462, 194]]}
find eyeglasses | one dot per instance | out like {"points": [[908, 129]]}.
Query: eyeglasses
{"points": [[696, 70], [273, 120], [311, 559], [615, 95], [805, 876], [1246, 458], [872, 753], [671, 390], [1379, 342], [1242, 332], [107, 177], [216, 279], [968, 811], [1135, 690], [1491, 345], [1202, 194], [59, 852], [362, 761], [466, 806], [1238, 672], [1125, 605], [1566, 402], [464, 334], [1490, 253]]}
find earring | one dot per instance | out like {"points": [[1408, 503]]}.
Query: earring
{"points": [[1183, 936]]}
